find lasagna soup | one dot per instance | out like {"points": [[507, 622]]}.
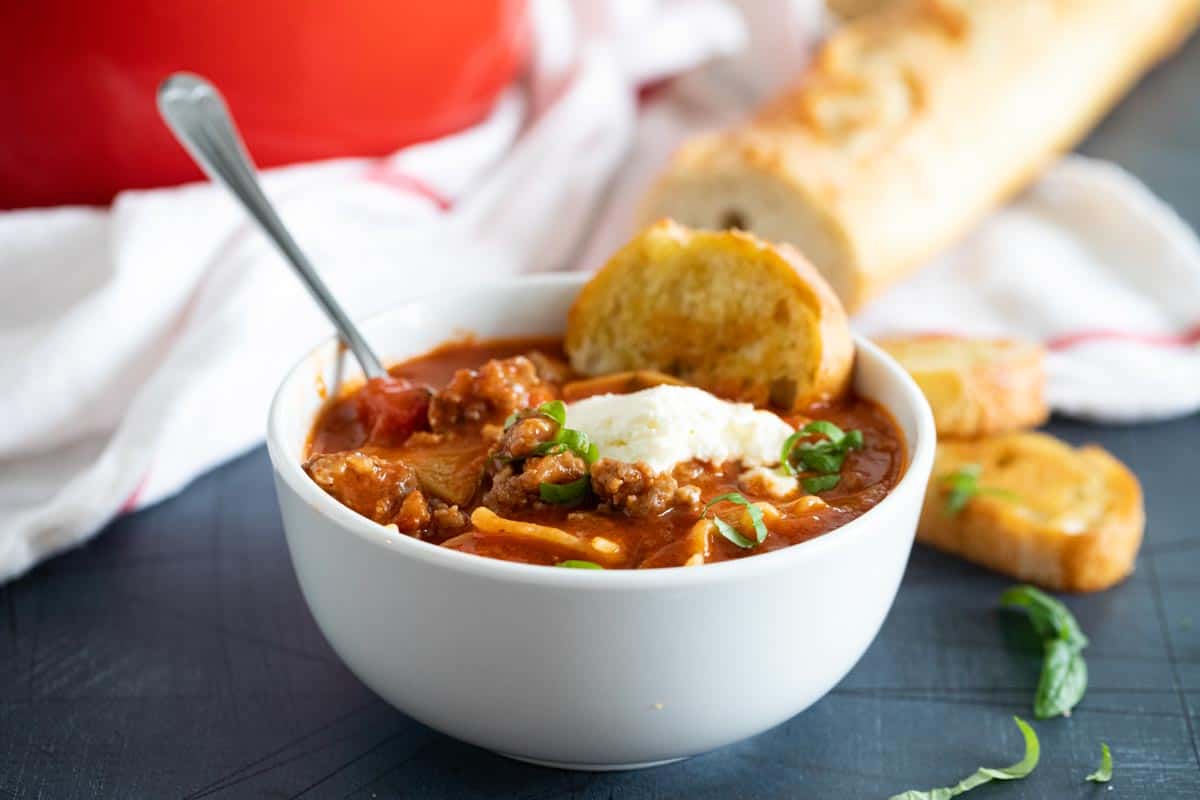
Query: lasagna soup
{"points": [[495, 448]]}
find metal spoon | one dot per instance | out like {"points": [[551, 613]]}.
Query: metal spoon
{"points": [[196, 113]]}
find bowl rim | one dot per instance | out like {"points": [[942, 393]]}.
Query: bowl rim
{"points": [[290, 473]]}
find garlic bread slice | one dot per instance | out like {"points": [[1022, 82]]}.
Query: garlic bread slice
{"points": [[1033, 507], [724, 311], [976, 387]]}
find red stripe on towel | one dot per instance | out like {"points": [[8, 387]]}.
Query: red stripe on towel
{"points": [[131, 502], [1185, 339], [381, 173], [1188, 338]]}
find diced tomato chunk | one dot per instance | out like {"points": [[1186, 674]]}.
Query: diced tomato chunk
{"points": [[391, 409]]}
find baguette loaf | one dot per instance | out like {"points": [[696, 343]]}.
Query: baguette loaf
{"points": [[724, 311], [1064, 518], [911, 123], [976, 387]]}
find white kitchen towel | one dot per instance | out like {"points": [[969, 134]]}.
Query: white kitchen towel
{"points": [[141, 343], [1090, 263]]}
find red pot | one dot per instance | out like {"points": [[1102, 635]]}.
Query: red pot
{"points": [[304, 79]]}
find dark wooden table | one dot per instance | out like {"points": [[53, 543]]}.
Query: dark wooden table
{"points": [[174, 655]]}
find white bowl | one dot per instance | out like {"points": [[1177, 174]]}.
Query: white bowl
{"points": [[575, 668]]}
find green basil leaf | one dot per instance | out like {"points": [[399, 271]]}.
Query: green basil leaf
{"points": [[731, 533], [563, 493], [1050, 618], [824, 460], [1063, 681], [917, 794], [593, 453], [573, 563], [1103, 774], [967, 471], [956, 501], [555, 410], [1064, 675], [1028, 762], [985, 774], [785, 454], [820, 483], [826, 428], [511, 419], [1003, 494], [963, 484], [548, 448], [728, 531], [825, 456]]}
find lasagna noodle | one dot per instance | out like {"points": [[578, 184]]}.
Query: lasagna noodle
{"points": [[487, 521]]}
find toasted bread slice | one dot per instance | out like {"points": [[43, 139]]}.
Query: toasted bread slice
{"points": [[976, 387], [724, 311], [1064, 518]]}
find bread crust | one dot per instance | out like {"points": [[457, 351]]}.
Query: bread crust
{"points": [[1074, 521], [911, 123], [976, 387], [724, 311]]}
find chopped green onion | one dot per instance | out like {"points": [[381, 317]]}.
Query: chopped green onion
{"points": [[564, 439], [555, 410], [731, 533], [575, 440], [1104, 773], [820, 483], [563, 493], [568, 439], [573, 563]]}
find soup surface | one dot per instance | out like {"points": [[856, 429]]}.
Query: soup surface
{"points": [[471, 447]]}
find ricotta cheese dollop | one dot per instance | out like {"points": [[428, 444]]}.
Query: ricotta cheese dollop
{"points": [[665, 425]]}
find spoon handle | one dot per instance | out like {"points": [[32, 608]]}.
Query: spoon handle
{"points": [[199, 118]]}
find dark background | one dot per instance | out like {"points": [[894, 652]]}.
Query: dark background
{"points": [[174, 656]]}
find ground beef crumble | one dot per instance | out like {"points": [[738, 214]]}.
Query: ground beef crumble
{"points": [[447, 519], [413, 516], [371, 486], [639, 491], [516, 486], [491, 393], [386, 492], [523, 436]]}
